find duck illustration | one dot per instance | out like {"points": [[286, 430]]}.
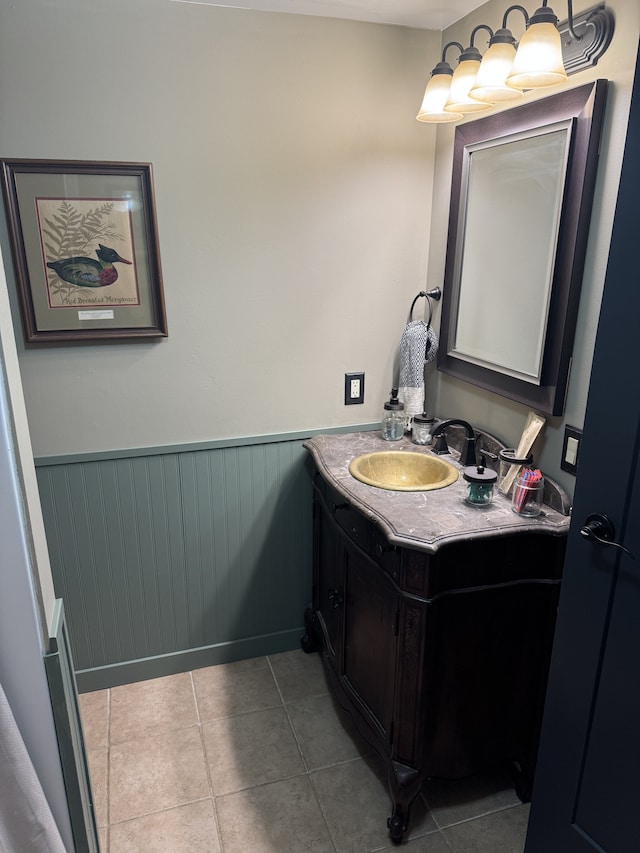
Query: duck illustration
{"points": [[85, 272]]}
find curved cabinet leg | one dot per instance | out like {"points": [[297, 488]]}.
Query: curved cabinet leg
{"points": [[397, 827], [405, 784], [522, 776]]}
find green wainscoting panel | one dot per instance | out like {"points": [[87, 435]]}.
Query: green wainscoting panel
{"points": [[176, 558]]}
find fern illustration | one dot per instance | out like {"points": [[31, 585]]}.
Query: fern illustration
{"points": [[68, 233]]}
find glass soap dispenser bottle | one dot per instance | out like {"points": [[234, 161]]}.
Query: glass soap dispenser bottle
{"points": [[393, 418]]}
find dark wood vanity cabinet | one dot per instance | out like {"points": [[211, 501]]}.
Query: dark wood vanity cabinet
{"points": [[441, 659]]}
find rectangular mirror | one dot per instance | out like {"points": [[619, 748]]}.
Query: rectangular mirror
{"points": [[520, 205]]}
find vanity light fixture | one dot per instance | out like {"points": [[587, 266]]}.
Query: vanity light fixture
{"points": [[490, 84], [547, 53], [437, 91], [464, 78], [538, 61]]}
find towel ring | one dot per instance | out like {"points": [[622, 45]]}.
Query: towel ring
{"points": [[436, 294]]}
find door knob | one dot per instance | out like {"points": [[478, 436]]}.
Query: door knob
{"points": [[599, 528]]}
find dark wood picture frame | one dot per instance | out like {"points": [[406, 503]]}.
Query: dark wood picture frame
{"points": [[584, 106], [84, 242]]}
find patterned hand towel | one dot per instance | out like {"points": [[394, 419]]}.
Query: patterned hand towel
{"points": [[413, 357]]}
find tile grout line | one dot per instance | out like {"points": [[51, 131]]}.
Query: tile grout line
{"points": [[473, 817], [445, 840], [108, 782], [307, 772], [322, 812], [205, 756], [286, 712], [174, 807], [207, 798], [487, 814]]}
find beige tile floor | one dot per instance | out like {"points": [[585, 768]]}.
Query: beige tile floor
{"points": [[254, 757]]}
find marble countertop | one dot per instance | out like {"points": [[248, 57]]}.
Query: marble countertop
{"points": [[423, 520]]}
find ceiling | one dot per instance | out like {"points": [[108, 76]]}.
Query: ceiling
{"points": [[423, 14]]}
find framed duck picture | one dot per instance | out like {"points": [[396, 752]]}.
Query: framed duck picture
{"points": [[84, 242]]}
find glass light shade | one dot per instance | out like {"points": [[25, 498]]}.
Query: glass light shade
{"points": [[463, 79], [490, 84], [538, 60], [435, 97]]}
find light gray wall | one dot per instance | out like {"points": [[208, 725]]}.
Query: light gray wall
{"points": [[293, 190], [492, 412], [299, 206]]}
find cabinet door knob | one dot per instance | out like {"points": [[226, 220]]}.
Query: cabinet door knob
{"points": [[335, 598]]}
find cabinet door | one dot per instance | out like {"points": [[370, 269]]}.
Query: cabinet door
{"points": [[370, 638], [328, 577]]}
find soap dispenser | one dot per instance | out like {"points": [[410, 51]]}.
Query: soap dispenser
{"points": [[393, 418], [480, 482]]}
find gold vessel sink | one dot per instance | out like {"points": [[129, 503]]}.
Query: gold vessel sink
{"points": [[402, 471]]}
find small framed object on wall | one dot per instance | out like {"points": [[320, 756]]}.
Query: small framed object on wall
{"points": [[84, 242]]}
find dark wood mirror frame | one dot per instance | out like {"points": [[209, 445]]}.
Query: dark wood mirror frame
{"points": [[584, 106]]}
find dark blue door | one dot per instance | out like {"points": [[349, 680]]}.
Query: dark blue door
{"points": [[586, 795]]}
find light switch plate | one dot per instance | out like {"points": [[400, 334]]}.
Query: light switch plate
{"points": [[571, 449]]}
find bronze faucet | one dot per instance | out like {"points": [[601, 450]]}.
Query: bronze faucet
{"points": [[468, 451]]}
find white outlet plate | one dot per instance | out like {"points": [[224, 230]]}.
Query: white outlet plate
{"points": [[353, 388]]}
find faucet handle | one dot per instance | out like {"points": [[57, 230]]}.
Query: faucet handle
{"points": [[440, 445], [488, 453], [468, 455]]}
